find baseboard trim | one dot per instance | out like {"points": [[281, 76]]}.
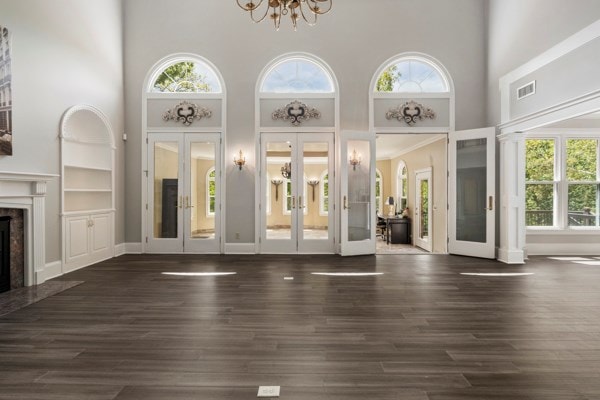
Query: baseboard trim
{"points": [[132, 248], [239, 248], [511, 256], [51, 270], [120, 249], [563, 249]]}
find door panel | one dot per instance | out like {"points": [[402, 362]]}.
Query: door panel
{"points": [[358, 193], [184, 193], [293, 220], [471, 189]]}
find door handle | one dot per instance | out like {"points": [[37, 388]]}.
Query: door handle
{"points": [[179, 202], [187, 202], [300, 204], [293, 202], [490, 206], [346, 207]]}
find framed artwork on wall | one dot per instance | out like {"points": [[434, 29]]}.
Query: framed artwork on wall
{"points": [[6, 134]]}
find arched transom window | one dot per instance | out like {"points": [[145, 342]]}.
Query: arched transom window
{"points": [[185, 76], [297, 75], [412, 75]]}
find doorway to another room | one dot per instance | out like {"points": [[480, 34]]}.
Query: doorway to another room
{"points": [[411, 193]]}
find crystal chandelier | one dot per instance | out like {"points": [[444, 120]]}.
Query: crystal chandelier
{"points": [[308, 10]]}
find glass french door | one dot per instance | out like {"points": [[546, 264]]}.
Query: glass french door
{"points": [[184, 193], [297, 192], [472, 192], [357, 193], [424, 196]]}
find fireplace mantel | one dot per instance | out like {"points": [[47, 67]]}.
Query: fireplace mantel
{"points": [[27, 191]]}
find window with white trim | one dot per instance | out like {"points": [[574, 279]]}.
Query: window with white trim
{"points": [[378, 191], [412, 75], [562, 185], [186, 76], [211, 192], [297, 75], [324, 194], [402, 194]]}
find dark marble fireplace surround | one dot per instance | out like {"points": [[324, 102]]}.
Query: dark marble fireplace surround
{"points": [[17, 246]]}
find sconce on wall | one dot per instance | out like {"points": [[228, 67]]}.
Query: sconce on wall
{"points": [[277, 182], [313, 183], [239, 161], [354, 159]]}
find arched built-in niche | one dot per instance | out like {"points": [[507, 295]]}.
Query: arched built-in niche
{"points": [[184, 100], [411, 93], [87, 182]]}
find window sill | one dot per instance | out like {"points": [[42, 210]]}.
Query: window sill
{"points": [[558, 231]]}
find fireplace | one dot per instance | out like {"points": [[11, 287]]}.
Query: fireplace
{"points": [[4, 254], [24, 195]]}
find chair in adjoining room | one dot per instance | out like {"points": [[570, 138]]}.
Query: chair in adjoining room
{"points": [[381, 227]]}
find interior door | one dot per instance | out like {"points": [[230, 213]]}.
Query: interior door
{"points": [[471, 193], [296, 186], [279, 193], [423, 200], [357, 193], [165, 193], [184, 190], [202, 193]]}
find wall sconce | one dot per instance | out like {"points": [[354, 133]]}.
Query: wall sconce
{"points": [[313, 183], [286, 170], [354, 160], [239, 161], [277, 182]]}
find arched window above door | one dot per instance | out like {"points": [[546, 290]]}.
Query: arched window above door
{"points": [[297, 75], [412, 75], [185, 76]]}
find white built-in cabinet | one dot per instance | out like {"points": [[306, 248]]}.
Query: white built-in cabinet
{"points": [[87, 182]]}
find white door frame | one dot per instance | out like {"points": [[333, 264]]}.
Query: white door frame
{"points": [[422, 175]]}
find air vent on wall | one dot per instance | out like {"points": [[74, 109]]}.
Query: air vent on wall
{"points": [[526, 90]]}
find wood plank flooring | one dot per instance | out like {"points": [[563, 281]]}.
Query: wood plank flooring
{"points": [[421, 331]]}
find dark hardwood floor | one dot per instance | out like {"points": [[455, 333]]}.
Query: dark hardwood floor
{"points": [[420, 331]]}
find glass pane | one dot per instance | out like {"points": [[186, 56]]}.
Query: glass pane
{"points": [[359, 191], [279, 168], [202, 201], [471, 190], [413, 76], [187, 77], [316, 160], [583, 205], [582, 159], [166, 178], [539, 155], [539, 204], [424, 207], [297, 76]]}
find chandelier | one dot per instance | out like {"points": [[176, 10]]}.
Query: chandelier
{"points": [[308, 10], [286, 170]]}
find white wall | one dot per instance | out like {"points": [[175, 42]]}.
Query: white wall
{"points": [[64, 52], [354, 39], [519, 30]]}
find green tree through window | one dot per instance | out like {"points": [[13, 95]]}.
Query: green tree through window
{"points": [[182, 77]]}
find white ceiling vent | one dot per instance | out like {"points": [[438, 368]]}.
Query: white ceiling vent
{"points": [[526, 90]]}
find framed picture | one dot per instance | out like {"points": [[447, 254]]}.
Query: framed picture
{"points": [[6, 133]]}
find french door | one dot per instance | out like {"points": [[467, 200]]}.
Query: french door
{"points": [[297, 193], [184, 193], [357, 192], [472, 192], [423, 199]]}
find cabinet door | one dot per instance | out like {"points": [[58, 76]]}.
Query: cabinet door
{"points": [[100, 236], [77, 239]]}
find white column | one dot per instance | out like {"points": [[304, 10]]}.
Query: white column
{"points": [[39, 227], [512, 198]]}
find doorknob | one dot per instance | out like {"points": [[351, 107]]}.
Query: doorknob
{"points": [[346, 203], [300, 204], [490, 206], [187, 202], [293, 202], [179, 202]]}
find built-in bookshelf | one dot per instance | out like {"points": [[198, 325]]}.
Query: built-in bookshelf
{"points": [[87, 176]]}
